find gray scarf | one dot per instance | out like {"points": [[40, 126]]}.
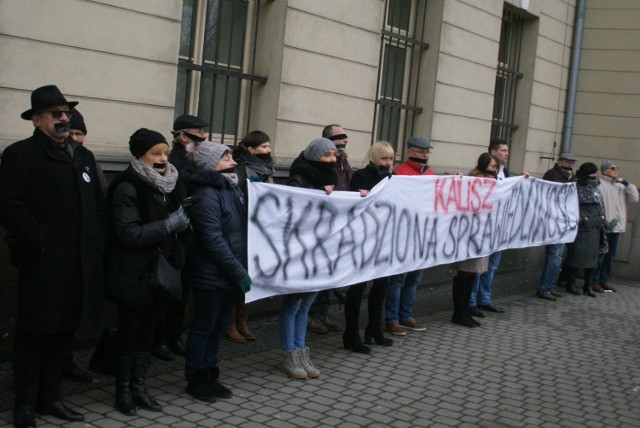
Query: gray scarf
{"points": [[164, 183]]}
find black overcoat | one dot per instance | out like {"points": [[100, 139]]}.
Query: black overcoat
{"points": [[53, 210]]}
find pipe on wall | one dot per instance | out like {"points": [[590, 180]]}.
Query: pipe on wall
{"points": [[572, 85]]}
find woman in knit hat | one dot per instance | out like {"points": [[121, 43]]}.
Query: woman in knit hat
{"points": [[146, 217], [216, 272], [314, 168], [583, 252]]}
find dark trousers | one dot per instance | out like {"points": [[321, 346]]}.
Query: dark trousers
{"points": [[375, 305], [136, 328], [37, 366], [171, 322], [211, 312]]}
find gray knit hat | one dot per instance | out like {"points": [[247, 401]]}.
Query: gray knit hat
{"points": [[317, 148], [208, 154], [606, 164]]}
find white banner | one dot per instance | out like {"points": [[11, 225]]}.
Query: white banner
{"points": [[304, 240]]}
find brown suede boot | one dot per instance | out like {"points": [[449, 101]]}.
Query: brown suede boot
{"points": [[231, 332], [242, 311]]}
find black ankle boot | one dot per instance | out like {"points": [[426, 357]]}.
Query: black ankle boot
{"points": [[377, 335], [586, 289], [353, 343], [138, 376], [571, 289]]}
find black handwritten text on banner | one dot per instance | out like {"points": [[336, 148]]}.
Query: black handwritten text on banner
{"points": [[304, 240]]}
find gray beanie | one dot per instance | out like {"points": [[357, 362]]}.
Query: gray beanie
{"points": [[317, 148], [606, 164], [208, 154]]}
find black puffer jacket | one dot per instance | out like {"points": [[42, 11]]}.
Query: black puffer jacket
{"points": [[219, 222], [137, 229]]}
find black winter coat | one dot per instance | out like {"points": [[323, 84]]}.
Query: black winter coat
{"points": [[304, 174], [583, 252], [219, 221], [137, 229], [366, 178], [53, 211], [556, 174]]}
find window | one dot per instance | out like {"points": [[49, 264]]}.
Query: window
{"points": [[398, 77], [507, 76], [214, 82]]}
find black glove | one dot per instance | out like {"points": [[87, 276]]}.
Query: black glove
{"points": [[177, 221]]}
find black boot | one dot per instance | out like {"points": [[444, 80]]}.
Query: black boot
{"points": [[586, 289], [199, 387], [220, 390], [375, 305], [351, 337], [138, 376], [124, 399], [460, 301], [464, 304]]}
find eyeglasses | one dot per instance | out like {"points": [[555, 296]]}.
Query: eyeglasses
{"points": [[420, 151], [57, 114]]}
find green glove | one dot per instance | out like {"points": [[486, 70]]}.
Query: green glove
{"points": [[245, 284]]}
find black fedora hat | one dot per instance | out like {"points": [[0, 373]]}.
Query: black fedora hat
{"points": [[46, 96]]}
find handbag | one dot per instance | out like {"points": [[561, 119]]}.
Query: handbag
{"points": [[164, 279]]}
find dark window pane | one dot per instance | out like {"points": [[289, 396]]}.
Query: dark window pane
{"points": [[389, 124], [186, 31], [222, 94], [399, 13], [181, 92], [224, 31], [393, 72]]}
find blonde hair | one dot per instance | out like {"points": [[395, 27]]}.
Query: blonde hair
{"points": [[379, 149]]}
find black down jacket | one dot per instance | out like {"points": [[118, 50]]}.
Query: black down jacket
{"points": [[137, 230], [219, 221]]}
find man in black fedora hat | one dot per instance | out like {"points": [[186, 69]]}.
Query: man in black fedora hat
{"points": [[53, 211]]}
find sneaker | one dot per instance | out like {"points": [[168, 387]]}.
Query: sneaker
{"points": [[607, 287], [328, 323], [395, 329], [315, 325], [411, 324]]}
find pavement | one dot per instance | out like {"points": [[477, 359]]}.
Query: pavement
{"points": [[570, 363]]}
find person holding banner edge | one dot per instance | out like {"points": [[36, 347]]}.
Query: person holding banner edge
{"points": [[402, 287], [314, 168], [380, 157]]}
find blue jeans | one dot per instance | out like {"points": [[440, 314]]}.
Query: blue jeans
{"points": [[551, 268], [292, 322], [482, 285], [211, 313], [400, 293], [603, 272], [320, 305]]}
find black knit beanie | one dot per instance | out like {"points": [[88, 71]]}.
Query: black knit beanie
{"points": [[143, 139]]}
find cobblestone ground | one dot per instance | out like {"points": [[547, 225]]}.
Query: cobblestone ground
{"points": [[570, 363]]}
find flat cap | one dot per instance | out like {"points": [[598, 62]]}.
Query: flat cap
{"points": [[187, 121], [567, 156], [419, 143]]}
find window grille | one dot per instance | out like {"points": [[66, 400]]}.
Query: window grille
{"points": [[507, 76], [214, 81], [401, 46]]}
